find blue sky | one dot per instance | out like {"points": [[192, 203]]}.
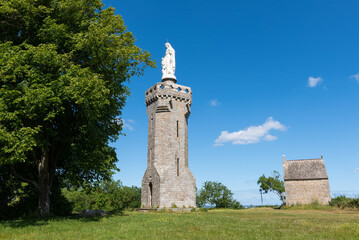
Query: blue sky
{"points": [[268, 78]]}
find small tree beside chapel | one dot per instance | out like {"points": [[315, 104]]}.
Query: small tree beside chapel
{"points": [[272, 184]]}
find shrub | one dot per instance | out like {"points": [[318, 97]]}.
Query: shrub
{"points": [[216, 194], [109, 196], [344, 202]]}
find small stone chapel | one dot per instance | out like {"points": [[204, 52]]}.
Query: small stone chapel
{"points": [[306, 181]]}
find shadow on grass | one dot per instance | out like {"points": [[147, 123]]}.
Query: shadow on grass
{"points": [[21, 223], [42, 221]]}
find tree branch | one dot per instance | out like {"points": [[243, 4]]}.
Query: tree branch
{"points": [[23, 178]]}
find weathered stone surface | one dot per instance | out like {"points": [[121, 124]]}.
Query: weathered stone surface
{"points": [[307, 192], [306, 181], [168, 182], [305, 169]]}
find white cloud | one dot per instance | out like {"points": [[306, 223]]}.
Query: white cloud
{"points": [[355, 76], [126, 124], [313, 82], [252, 134], [356, 170], [214, 103], [270, 137]]}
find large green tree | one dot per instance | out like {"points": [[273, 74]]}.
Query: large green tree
{"points": [[217, 194], [63, 65], [272, 184]]}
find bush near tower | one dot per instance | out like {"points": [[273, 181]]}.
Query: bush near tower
{"points": [[62, 65], [216, 194]]}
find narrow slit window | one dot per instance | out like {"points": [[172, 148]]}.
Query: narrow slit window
{"points": [[177, 129], [153, 124], [150, 157], [177, 167], [150, 127]]}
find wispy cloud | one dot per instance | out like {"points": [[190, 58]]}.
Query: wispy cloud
{"points": [[214, 103], [252, 134], [314, 81], [356, 170], [126, 124], [355, 76]]}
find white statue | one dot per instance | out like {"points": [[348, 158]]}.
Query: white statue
{"points": [[169, 63]]}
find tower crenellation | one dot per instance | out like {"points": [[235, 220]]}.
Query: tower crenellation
{"points": [[166, 90]]}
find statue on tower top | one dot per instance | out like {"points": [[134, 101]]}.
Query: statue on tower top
{"points": [[168, 64]]}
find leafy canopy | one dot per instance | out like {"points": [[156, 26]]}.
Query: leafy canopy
{"points": [[63, 65], [272, 184], [216, 194]]}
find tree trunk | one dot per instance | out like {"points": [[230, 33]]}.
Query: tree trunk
{"points": [[44, 200], [44, 185], [3, 206], [46, 171], [283, 198]]}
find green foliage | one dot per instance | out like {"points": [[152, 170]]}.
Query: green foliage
{"points": [[108, 196], [9, 188], [344, 202], [60, 205], [131, 197], [272, 184], [24, 202], [341, 202], [215, 193], [63, 65]]}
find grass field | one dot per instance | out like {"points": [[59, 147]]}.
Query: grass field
{"points": [[259, 223]]}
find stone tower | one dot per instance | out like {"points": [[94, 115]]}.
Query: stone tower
{"points": [[168, 180], [306, 181]]}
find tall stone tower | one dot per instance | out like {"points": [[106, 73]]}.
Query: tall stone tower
{"points": [[168, 180]]}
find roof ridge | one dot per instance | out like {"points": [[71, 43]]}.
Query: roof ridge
{"points": [[306, 159]]}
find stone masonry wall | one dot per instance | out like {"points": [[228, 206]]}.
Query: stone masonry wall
{"points": [[168, 109], [307, 191]]}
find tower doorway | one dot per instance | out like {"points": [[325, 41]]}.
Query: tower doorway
{"points": [[150, 195]]}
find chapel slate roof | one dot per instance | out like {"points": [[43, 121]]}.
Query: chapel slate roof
{"points": [[311, 169]]}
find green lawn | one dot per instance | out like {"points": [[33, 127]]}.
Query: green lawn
{"points": [[215, 224]]}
